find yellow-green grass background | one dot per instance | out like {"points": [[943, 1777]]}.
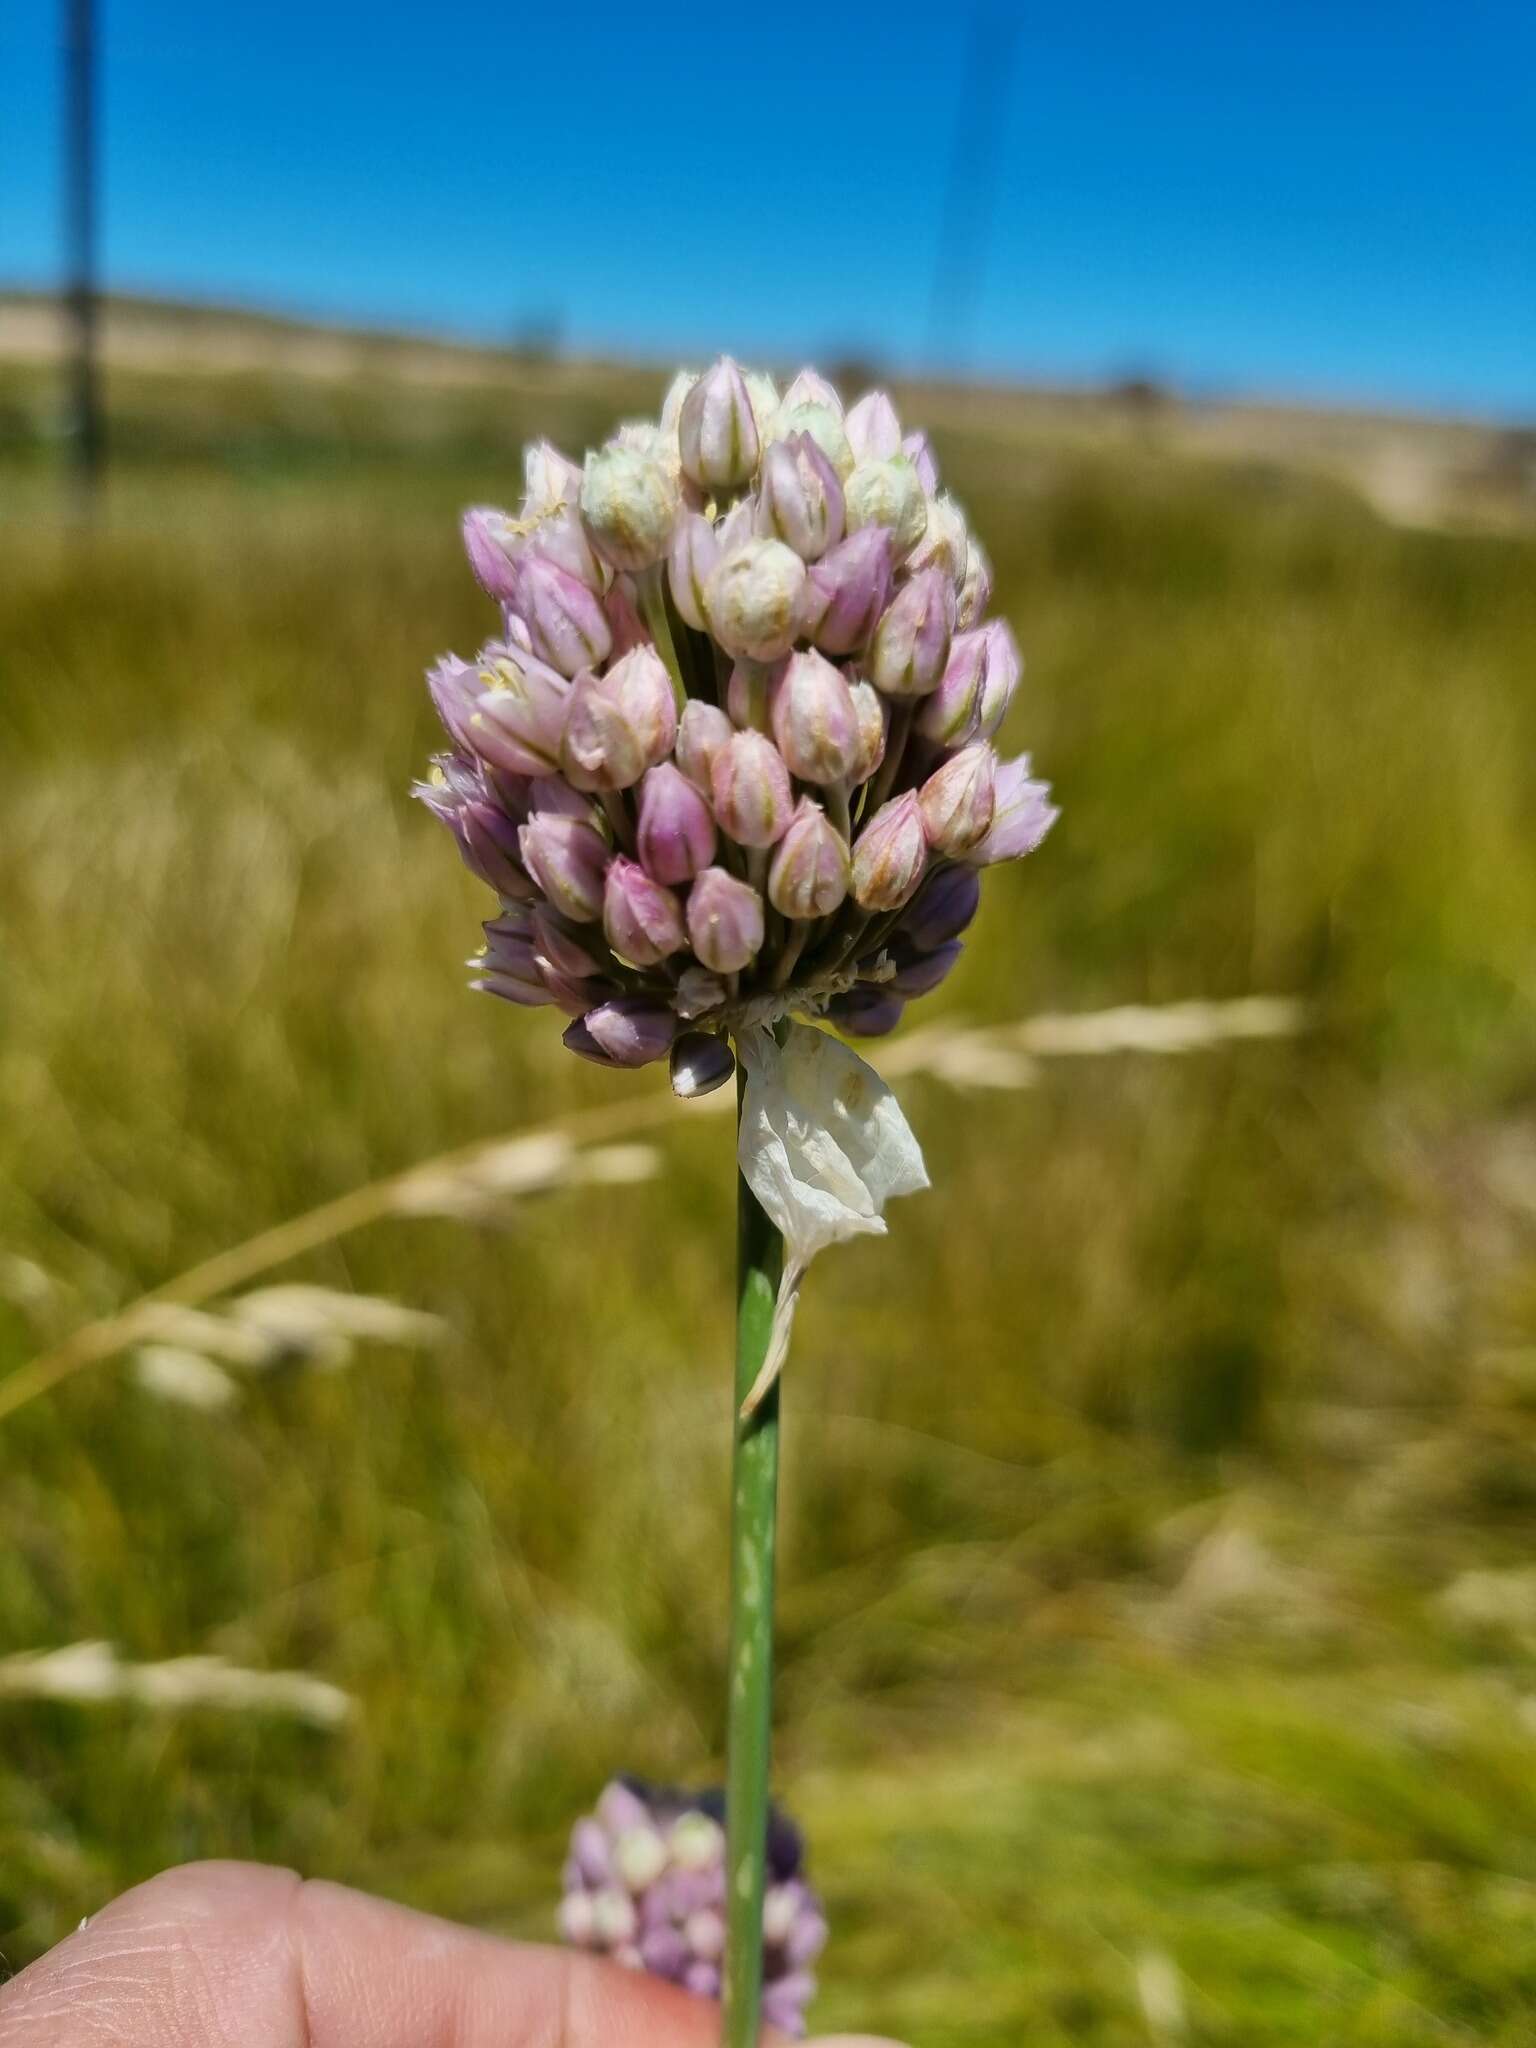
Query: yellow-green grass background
{"points": [[1123, 1483]]}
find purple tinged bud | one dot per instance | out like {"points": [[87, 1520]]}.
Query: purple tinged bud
{"points": [[848, 589], [620, 1808], [811, 867], [869, 710], [888, 493], [866, 1012], [951, 715], [725, 921], [716, 431], [490, 542], [823, 424], [601, 747], [562, 539], [806, 1939], [874, 432], [701, 1062], [1005, 665], [702, 731], [924, 971], [629, 630], [486, 837], [642, 686], [676, 836], [630, 505], [1022, 814], [942, 908], [508, 711], [629, 1031], [890, 854], [908, 654], [702, 1979], [749, 787], [919, 452], [784, 2002], [642, 920], [566, 621], [753, 597], [692, 560], [815, 721], [800, 498], [737, 527], [590, 1851], [511, 970], [957, 800], [976, 590], [568, 860], [746, 696], [575, 995], [665, 1953]]}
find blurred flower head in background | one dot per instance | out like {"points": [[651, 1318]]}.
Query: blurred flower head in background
{"points": [[645, 1884], [731, 754]]}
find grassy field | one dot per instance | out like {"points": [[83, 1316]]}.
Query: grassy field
{"points": [[1159, 1606]]}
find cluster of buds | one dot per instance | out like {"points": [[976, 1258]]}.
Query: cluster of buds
{"points": [[645, 1884], [731, 754]]}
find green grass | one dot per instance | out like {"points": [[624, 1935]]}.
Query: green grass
{"points": [[1121, 1482]]}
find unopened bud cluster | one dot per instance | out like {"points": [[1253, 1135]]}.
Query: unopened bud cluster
{"points": [[645, 1885], [732, 751]]}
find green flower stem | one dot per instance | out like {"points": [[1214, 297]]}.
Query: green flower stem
{"points": [[651, 590], [754, 1498]]}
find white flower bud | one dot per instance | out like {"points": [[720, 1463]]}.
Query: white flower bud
{"points": [[888, 493], [630, 504]]}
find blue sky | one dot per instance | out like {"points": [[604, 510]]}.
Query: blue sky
{"points": [[1309, 199]]}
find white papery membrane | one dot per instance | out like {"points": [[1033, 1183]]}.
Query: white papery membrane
{"points": [[823, 1145]]}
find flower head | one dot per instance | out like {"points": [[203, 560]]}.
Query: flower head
{"points": [[729, 756], [644, 1883]]}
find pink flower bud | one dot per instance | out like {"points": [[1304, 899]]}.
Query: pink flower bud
{"points": [[490, 541], [725, 921], [508, 711], [716, 432], [811, 388], [1022, 814], [642, 920], [919, 452], [888, 493], [1005, 665], [677, 833], [799, 498], [629, 1031], [568, 859], [957, 800], [629, 630], [752, 599], [874, 432], [890, 854], [640, 683], [952, 714], [702, 731], [749, 788], [814, 719], [869, 710], [601, 747], [562, 539], [976, 590], [848, 589], [692, 560], [566, 622], [908, 654], [811, 868], [630, 505]]}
